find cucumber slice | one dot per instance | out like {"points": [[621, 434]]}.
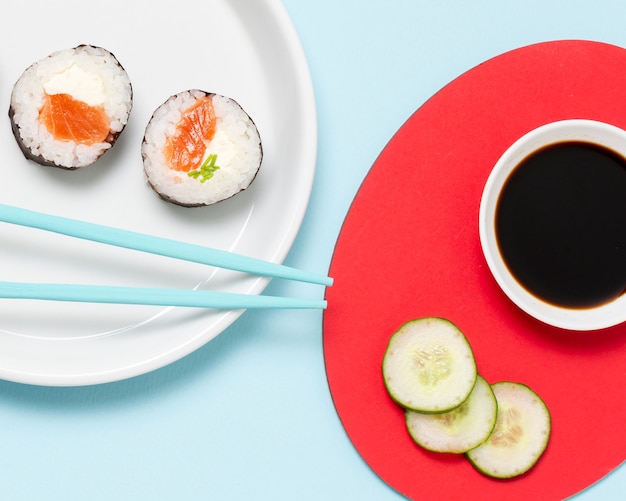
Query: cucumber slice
{"points": [[461, 429], [429, 366], [521, 434]]}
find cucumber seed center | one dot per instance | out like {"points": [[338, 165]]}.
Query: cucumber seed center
{"points": [[450, 419], [508, 431], [433, 364]]}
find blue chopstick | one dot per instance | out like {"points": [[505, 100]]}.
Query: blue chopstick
{"points": [[155, 245], [151, 296]]}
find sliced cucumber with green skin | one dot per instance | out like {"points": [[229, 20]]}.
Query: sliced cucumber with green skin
{"points": [[461, 429], [521, 434], [429, 366]]}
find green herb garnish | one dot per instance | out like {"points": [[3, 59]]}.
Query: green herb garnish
{"points": [[206, 170]]}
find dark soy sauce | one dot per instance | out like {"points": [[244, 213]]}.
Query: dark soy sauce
{"points": [[561, 224]]}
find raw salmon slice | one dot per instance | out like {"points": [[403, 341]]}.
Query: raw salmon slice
{"points": [[68, 119], [184, 150]]}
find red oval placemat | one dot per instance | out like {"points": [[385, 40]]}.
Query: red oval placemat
{"points": [[409, 248]]}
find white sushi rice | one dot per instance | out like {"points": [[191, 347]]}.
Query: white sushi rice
{"points": [[87, 73], [236, 144]]}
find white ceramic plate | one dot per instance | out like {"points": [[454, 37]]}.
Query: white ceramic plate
{"points": [[246, 50]]}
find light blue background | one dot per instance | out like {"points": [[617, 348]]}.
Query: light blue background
{"points": [[249, 416]]}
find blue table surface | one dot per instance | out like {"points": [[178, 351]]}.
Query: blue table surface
{"points": [[250, 415]]}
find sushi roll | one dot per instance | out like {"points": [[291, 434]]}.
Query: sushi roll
{"points": [[200, 148], [69, 108]]}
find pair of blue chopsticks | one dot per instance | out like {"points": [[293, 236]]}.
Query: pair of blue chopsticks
{"points": [[154, 245]]}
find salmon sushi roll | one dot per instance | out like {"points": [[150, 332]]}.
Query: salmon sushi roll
{"points": [[69, 108], [200, 148]]}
